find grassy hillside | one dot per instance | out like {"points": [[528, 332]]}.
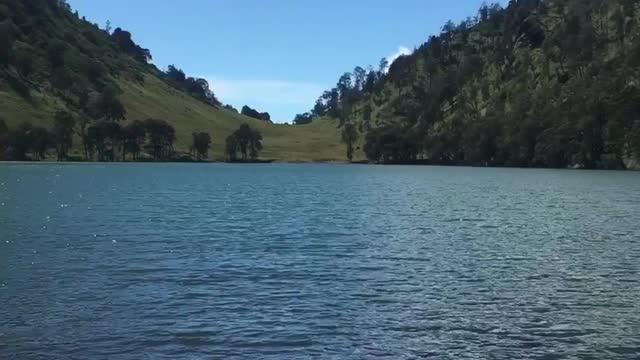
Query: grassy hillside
{"points": [[318, 141], [56, 60], [154, 99]]}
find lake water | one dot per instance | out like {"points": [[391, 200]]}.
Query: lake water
{"points": [[133, 261]]}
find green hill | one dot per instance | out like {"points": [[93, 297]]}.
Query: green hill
{"points": [[52, 59], [540, 83]]}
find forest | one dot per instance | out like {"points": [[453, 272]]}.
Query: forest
{"points": [[539, 83]]}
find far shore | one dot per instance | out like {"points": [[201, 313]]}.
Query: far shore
{"points": [[276, 161]]}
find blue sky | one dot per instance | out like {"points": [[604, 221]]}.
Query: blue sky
{"points": [[275, 55]]}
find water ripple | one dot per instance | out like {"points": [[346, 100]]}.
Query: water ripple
{"points": [[170, 261]]}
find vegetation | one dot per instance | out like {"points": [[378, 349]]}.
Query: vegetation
{"points": [[551, 83], [201, 144], [246, 141], [104, 141], [4, 132], [253, 113], [63, 124], [25, 139], [53, 60], [196, 87], [544, 83], [349, 137]]}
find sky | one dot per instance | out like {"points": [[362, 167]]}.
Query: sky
{"points": [[275, 55]]}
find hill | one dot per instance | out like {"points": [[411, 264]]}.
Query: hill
{"points": [[540, 83], [52, 60]]}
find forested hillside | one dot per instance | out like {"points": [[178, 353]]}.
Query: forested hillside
{"points": [[84, 86], [540, 83]]}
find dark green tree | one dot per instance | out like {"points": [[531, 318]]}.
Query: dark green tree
{"points": [[56, 51], [253, 113], [41, 141], [349, 138], [6, 43], [302, 119], [24, 59], [160, 138], [201, 142], [63, 125], [231, 148], [4, 131], [246, 141], [105, 137], [134, 136], [20, 141]]}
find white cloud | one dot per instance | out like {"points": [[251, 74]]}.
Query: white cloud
{"points": [[282, 99], [400, 51], [265, 91]]}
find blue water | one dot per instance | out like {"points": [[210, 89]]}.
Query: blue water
{"points": [[190, 261]]}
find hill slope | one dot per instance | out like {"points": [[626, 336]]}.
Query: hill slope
{"points": [[53, 60], [540, 83]]}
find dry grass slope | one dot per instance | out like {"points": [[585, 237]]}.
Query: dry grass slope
{"points": [[153, 98]]}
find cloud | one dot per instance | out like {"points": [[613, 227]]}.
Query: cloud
{"points": [[283, 99], [400, 51], [266, 91]]}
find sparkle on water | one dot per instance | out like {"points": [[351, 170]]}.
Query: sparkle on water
{"points": [[329, 261]]}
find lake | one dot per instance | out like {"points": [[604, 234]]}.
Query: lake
{"points": [[171, 261]]}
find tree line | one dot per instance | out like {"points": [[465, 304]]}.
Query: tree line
{"points": [[111, 141], [538, 83], [253, 113], [196, 87]]}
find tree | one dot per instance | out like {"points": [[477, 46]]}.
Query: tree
{"points": [[255, 144], [24, 59], [56, 51], [20, 141], [94, 70], [359, 75], [252, 113], [319, 109], [28, 138], [41, 141], [63, 124], [201, 142], [107, 106], [370, 81], [106, 139], [134, 136], [160, 138], [175, 74], [123, 39], [243, 135], [383, 67], [82, 124], [302, 119], [349, 137], [4, 130], [231, 108], [344, 86], [332, 100], [6, 43], [246, 141], [231, 148], [196, 87]]}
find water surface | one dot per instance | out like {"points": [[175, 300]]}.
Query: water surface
{"points": [[131, 261]]}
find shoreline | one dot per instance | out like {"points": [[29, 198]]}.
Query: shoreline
{"points": [[301, 162]]}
